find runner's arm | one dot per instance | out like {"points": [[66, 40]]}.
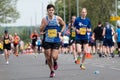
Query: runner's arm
{"points": [[103, 32], [43, 25], [62, 23]]}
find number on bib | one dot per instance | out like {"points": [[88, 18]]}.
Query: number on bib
{"points": [[73, 34], [83, 31], [52, 33], [7, 41]]}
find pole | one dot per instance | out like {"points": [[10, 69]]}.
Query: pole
{"points": [[77, 2], [116, 6], [57, 7], [64, 12]]}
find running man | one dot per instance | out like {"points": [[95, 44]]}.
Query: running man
{"points": [[34, 37], [118, 38], [82, 26], [16, 40], [7, 40], [50, 25], [72, 38], [97, 35], [108, 44]]}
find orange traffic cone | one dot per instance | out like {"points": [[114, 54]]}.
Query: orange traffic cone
{"points": [[88, 55]]}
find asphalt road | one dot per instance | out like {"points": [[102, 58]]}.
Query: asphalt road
{"points": [[29, 67]]}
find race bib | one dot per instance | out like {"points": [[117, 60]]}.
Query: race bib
{"points": [[16, 41], [73, 33], [7, 41], [1, 46], [52, 33], [83, 31]]}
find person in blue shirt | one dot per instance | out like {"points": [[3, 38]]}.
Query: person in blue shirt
{"points": [[50, 25], [108, 33], [118, 38], [82, 26], [38, 43]]}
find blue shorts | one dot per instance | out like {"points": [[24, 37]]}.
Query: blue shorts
{"points": [[108, 42]]}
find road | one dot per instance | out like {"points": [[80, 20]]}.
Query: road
{"points": [[29, 67]]}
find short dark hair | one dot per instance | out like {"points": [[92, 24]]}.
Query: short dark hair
{"points": [[6, 31], [50, 6]]}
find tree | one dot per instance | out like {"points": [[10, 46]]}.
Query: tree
{"points": [[98, 10], [8, 11]]}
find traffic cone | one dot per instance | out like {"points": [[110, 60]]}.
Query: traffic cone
{"points": [[88, 55]]}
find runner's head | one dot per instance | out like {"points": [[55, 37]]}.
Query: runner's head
{"points": [[83, 13], [73, 18], [15, 34], [50, 9], [6, 31]]}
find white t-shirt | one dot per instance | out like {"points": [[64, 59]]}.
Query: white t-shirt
{"points": [[65, 39]]}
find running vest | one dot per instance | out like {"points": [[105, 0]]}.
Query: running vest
{"points": [[72, 32], [16, 40], [51, 30], [6, 40], [108, 32]]}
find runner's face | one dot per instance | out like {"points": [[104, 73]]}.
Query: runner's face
{"points": [[51, 11], [83, 13], [73, 18]]}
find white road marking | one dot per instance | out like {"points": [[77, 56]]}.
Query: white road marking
{"points": [[118, 69]]}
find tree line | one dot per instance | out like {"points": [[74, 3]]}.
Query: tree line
{"points": [[98, 10]]}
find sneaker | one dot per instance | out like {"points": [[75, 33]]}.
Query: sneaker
{"points": [[112, 55], [46, 62], [75, 61], [82, 67], [35, 55], [7, 62], [55, 66], [100, 55], [52, 74], [16, 55]]}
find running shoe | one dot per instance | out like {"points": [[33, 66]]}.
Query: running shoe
{"points": [[82, 67], [7, 62], [46, 62], [16, 55], [75, 61], [55, 65], [52, 74], [112, 55]]}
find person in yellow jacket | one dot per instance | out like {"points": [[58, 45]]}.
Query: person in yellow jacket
{"points": [[1, 47]]}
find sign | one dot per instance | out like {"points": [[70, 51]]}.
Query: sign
{"points": [[114, 18]]}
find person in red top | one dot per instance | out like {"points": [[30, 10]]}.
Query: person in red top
{"points": [[16, 43], [34, 37]]}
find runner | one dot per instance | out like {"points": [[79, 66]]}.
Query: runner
{"points": [[108, 43], [72, 38], [50, 25], [16, 41], [118, 39], [65, 41], [34, 37], [97, 35], [7, 40], [38, 43], [82, 26]]}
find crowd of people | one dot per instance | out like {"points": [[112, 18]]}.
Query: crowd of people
{"points": [[57, 39]]}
